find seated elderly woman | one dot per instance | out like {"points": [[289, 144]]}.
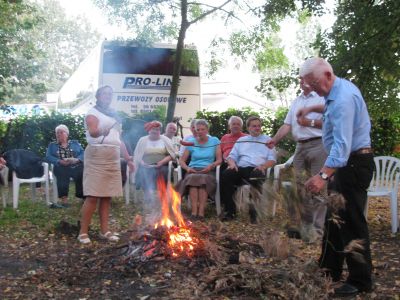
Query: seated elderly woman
{"points": [[151, 157], [205, 156], [67, 157]]}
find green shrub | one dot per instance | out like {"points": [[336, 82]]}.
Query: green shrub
{"points": [[36, 132], [385, 135]]}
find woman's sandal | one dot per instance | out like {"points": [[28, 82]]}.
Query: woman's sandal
{"points": [[112, 237], [84, 239]]}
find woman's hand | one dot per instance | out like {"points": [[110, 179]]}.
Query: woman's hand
{"points": [[207, 169], [131, 166], [159, 164], [64, 162], [191, 171]]}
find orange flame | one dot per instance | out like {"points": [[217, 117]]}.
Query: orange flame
{"points": [[180, 240]]}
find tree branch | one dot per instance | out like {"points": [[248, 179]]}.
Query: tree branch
{"points": [[210, 12]]}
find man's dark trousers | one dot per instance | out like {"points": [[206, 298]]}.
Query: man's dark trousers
{"points": [[231, 179], [352, 182]]}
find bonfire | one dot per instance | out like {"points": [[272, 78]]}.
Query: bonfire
{"points": [[170, 237]]}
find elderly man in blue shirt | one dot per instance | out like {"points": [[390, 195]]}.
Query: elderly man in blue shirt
{"points": [[249, 158], [346, 138]]}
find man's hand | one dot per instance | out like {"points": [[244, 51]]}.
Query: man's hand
{"points": [[261, 169], [302, 112], [271, 143], [232, 165], [315, 184], [303, 121]]}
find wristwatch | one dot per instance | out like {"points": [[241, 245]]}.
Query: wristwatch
{"points": [[324, 176], [312, 124]]}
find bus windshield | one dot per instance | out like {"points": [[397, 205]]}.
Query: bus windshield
{"points": [[119, 59]]}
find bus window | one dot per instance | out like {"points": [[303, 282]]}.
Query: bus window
{"points": [[141, 60]]}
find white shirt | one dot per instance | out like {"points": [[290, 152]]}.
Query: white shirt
{"points": [[304, 132], [105, 122], [250, 154]]}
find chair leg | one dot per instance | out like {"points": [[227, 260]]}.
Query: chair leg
{"points": [[15, 193], [127, 192], [3, 196], [33, 189], [274, 207], [366, 210], [394, 213], [218, 201], [47, 191], [55, 191]]}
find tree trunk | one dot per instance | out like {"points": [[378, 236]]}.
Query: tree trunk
{"points": [[178, 62]]}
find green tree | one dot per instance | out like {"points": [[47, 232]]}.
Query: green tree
{"points": [[168, 19], [17, 20], [40, 48], [364, 46]]}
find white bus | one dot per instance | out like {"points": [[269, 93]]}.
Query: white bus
{"points": [[141, 78]]}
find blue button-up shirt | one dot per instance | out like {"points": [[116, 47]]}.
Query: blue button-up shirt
{"points": [[346, 124], [248, 154]]}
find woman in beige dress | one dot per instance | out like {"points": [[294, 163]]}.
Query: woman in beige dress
{"points": [[102, 171]]}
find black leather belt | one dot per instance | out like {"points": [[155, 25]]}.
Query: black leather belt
{"points": [[309, 140], [362, 151]]}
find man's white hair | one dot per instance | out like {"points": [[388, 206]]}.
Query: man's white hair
{"points": [[63, 128], [232, 118], [171, 124], [315, 66]]}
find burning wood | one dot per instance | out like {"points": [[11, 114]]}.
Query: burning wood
{"points": [[170, 237]]}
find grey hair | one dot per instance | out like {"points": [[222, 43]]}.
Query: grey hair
{"points": [[193, 123], [315, 66], [201, 122], [235, 118], [63, 128], [171, 123], [100, 89]]}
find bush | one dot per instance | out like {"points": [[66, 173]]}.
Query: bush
{"points": [[36, 132], [385, 135]]}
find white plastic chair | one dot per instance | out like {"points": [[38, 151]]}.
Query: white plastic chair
{"points": [[385, 183], [277, 173], [4, 195], [217, 192], [17, 181]]}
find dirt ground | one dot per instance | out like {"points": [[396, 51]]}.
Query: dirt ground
{"points": [[39, 262]]}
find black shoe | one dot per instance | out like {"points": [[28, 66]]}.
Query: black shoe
{"points": [[293, 233], [65, 205], [345, 290], [201, 218], [228, 217], [253, 216], [55, 205]]}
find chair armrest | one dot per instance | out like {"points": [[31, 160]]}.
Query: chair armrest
{"points": [[285, 165]]}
